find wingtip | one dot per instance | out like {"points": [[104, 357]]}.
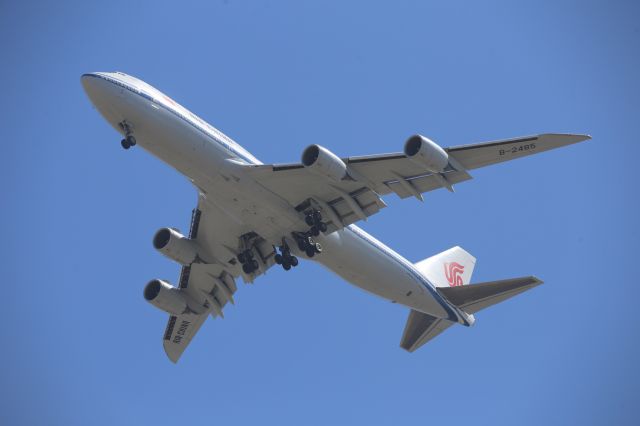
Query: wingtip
{"points": [[536, 281], [173, 357], [573, 137]]}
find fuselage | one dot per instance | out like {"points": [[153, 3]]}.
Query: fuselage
{"points": [[215, 164]]}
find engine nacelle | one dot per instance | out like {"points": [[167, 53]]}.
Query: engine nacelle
{"points": [[175, 246], [164, 296], [426, 153], [321, 161]]}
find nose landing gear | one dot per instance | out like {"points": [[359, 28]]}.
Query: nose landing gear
{"points": [[129, 140]]}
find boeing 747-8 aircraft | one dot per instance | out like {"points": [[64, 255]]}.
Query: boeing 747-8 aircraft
{"points": [[251, 216]]}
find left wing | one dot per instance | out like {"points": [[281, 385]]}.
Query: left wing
{"points": [[373, 176], [209, 283]]}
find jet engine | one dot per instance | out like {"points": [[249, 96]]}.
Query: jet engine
{"points": [[175, 246], [321, 161], [164, 296], [426, 153]]}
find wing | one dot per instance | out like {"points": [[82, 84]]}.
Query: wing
{"points": [[348, 201], [485, 154], [209, 283]]}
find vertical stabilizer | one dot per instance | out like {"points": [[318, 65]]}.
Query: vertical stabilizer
{"points": [[451, 268]]}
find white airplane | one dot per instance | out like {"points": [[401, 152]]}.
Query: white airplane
{"points": [[251, 215]]}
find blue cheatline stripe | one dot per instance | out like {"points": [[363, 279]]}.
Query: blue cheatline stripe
{"points": [[408, 267], [200, 127]]}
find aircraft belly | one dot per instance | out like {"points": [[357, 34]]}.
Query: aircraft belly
{"points": [[169, 138], [193, 154], [370, 269]]}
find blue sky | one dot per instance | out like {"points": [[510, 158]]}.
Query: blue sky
{"points": [[80, 344]]}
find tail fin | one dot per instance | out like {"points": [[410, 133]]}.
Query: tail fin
{"points": [[450, 268]]}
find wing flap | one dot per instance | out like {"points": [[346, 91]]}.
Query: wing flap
{"points": [[427, 182]]}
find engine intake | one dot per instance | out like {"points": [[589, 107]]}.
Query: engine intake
{"points": [[426, 153], [165, 297], [175, 246], [321, 161]]}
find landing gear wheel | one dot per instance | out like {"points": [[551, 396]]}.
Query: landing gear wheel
{"points": [[242, 258], [310, 251], [278, 259], [309, 220], [131, 140], [254, 264], [322, 227], [293, 261], [246, 268], [317, 247], [286, 266], [302, 245], [125, 144], [317, 217], [314, 231]]}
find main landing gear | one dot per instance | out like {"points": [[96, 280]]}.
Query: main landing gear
{"points": [[314, 220], [249, 263], [307, 244], [285, 258], [129, 140]]}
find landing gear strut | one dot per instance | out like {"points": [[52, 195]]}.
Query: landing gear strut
{"points": [[249, 263], [285, 258], [129, 140], [314, 220]]}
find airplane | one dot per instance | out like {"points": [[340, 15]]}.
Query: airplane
{"points": [[251, 216]]}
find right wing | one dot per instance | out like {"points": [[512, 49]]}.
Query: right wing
{"points": [[484, 154], [351, 200]]}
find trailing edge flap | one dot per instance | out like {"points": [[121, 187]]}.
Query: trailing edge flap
{"points": [[475, 297], [420, 329]]}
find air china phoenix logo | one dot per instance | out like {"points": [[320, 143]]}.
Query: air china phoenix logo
{"points": [[453, 271]]}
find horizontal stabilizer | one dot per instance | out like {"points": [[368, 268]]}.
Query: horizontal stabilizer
{"points": [[420, 329], [475, 297]]}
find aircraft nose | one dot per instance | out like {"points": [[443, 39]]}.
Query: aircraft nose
{"points": [[105, 96], [90, 83], [99, 89]]}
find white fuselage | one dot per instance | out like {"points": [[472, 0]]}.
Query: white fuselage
{"points": [[209, 158]]}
